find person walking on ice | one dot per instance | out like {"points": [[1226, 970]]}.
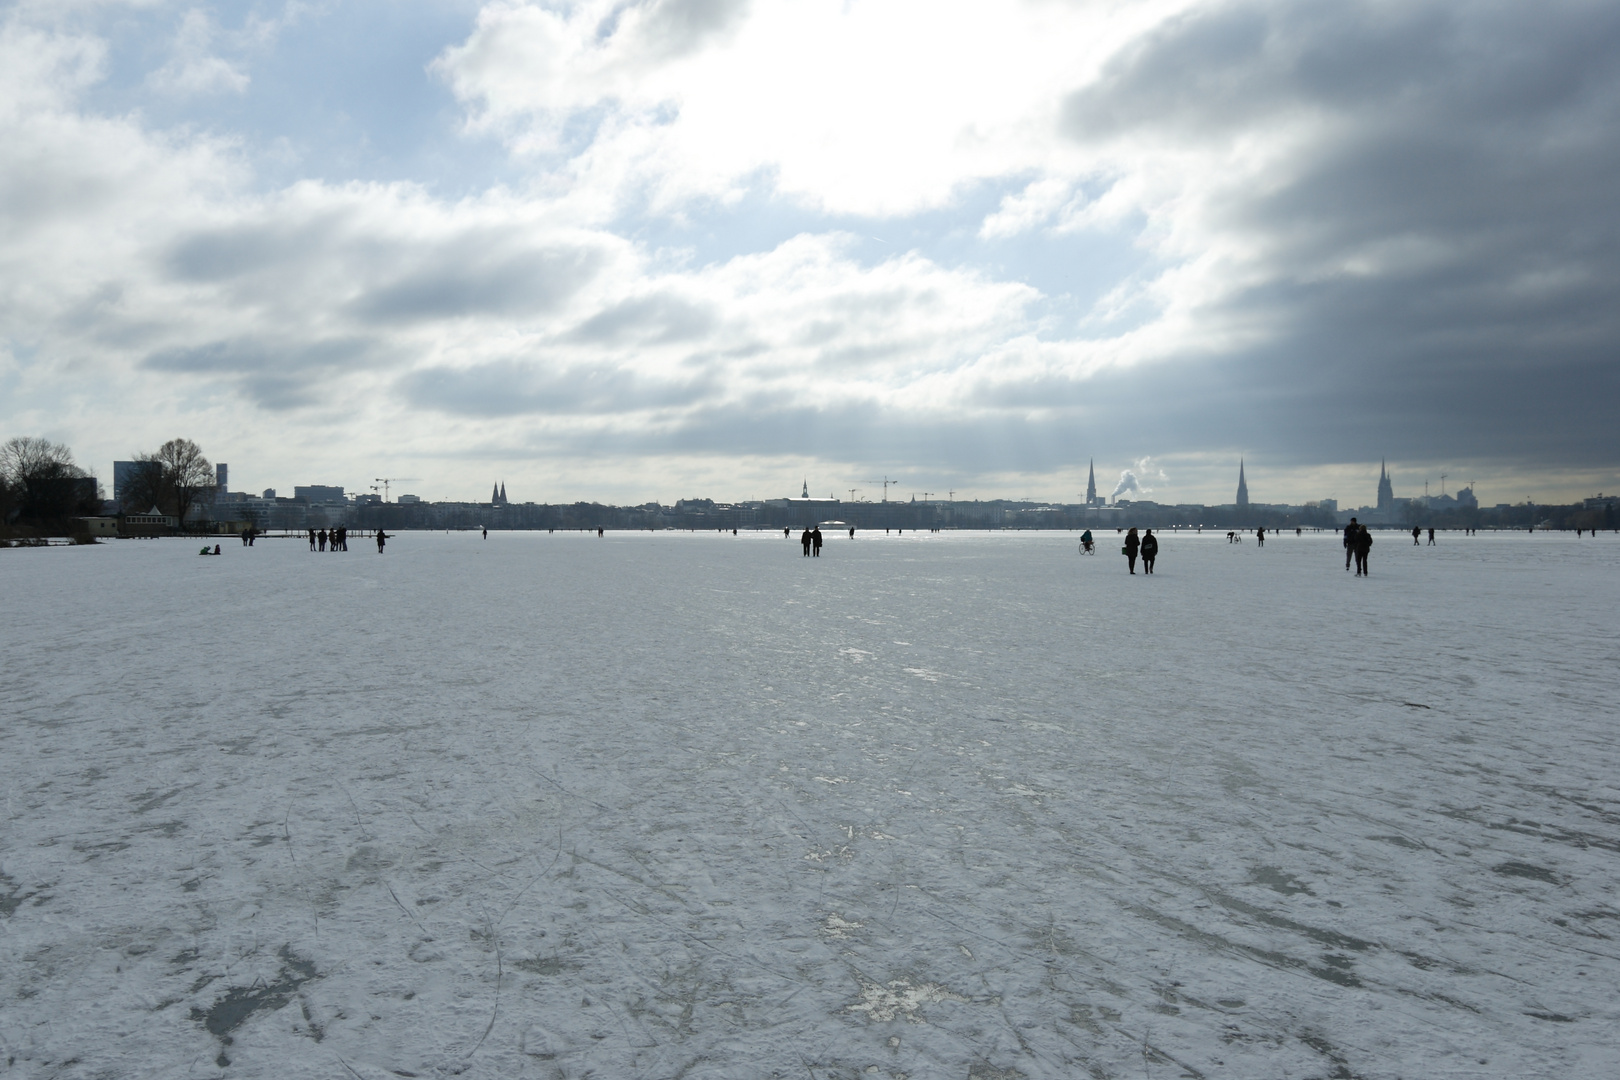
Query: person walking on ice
{"points": [[1132, 544], [1415, 532], [1363, 546], [1150, 551], [1259, 536], [382, 538], [815, 543], [1431, 538], [1350, 541]]}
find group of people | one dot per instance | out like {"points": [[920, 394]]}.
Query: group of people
{"points": [[1357, 543], [812, 542], [1147, 546], [338, 538]]}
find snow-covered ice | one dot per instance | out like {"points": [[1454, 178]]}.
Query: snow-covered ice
{"points": [[665, 805]]}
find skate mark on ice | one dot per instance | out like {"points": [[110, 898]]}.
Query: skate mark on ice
{"points": [[1527, 870], [231, 1011], [1275, 879], [899, 999]]}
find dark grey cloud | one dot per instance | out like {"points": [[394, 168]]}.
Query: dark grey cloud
{"points": [[1440, 268], [651, 320], [467, 278], [394, 280], [274, 375], [678, 27], [518, 388]]}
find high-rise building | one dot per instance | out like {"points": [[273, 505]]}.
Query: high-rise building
{"points": [[318, 493], [222, 474], [1243, 488]]}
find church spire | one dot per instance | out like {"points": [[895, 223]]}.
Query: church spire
{"points": [[503, 492], [805, 494], [1091, 484], [495, 495], [1243, 487]]}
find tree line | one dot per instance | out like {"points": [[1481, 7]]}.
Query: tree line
{"points": [[43, 489]]}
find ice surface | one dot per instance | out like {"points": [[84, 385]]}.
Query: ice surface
{"points": [[664, 805]]}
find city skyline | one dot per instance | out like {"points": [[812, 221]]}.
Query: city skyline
{"points": [[967, 245]]}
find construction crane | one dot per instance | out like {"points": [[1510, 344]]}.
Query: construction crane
{"points": [[885, 482], [386, 480]]}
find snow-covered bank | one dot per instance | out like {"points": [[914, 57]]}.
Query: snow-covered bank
{"points": [[662, 804]]}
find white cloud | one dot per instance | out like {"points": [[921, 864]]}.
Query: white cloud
{"points": [[850, 108], [193, 68]]}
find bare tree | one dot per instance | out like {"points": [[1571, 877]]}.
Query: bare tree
{"points": [[41, 481], [172, 477], [28, 457]]}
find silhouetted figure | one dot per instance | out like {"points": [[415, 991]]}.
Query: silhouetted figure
{"points": [[244, 537], [784, 532], [1350, 531], [1415, 532], [815, 543], [599, 531], [1133, 543], [804, 541], [1086, 543], [312, 539], [1363, 546], [1260, 536], [1431, 538], [486, 532], [321, 537], [1299, 532], [1150, 551], [217, 551], [382, 538], [852, 532]]}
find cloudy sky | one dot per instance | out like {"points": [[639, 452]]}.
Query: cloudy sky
{"points": [[652, 249]]}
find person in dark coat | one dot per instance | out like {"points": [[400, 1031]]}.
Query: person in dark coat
{"points": [[1350, 531], [1133, 543], [1260, 536], [1363, 546], [1415, 532], [804, 542], [1086, 542], [815, 542], [312, 539], [382, 538], [1150, 551]]}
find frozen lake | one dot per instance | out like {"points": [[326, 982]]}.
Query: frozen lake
{"points": [[673, 805]]}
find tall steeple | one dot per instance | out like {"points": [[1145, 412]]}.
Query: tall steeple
{"points": [[495, 495], [1386, 488], [1243, 487], [1091, 484], [805, 494], [503, 492]]}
